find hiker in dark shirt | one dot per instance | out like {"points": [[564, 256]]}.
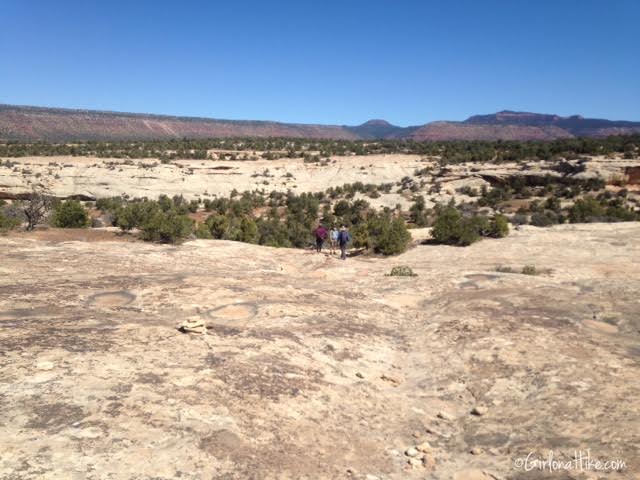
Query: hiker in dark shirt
{"points": [[344, 237], [320, 234]]}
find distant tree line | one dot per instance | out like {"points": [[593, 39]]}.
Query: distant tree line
{"points": [[315, 149]]}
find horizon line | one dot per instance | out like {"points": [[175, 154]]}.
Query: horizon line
{"points": [[211, 118]]}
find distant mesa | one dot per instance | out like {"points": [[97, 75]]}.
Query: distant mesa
{"points": [[377, 123], [28, 124], [508, 117]]}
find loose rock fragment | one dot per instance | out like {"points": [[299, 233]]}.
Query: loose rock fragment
{"points": [[428, 462], [193, 325], [424, 447], [411, 452], [391, 379], [444, 415], [479, 410]]}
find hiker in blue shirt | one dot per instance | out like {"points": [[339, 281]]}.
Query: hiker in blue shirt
{"points": [[344, 237]]}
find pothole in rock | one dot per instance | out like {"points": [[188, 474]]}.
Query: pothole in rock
{"points": [[111, 299], [474, 278], [233, 314]]}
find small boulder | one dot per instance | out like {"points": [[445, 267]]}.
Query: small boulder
{"points": [[444, 415], [411, 452], [479, 410], [193, 325], [429, 462], [424, 447]]}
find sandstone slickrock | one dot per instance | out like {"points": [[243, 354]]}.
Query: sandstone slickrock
{"points": [[95, 381]]}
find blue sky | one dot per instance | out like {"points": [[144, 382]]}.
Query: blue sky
{"points": [[337, 62]]}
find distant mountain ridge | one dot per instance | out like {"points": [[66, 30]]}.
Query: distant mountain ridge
{"points": [[24, 123]]}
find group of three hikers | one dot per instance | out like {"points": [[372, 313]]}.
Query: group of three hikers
{"points": [[336, 237]]}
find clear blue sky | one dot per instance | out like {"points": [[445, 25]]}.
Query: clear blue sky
{"points": [[338, 62]]}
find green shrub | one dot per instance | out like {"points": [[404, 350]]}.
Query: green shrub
{"points": [[418, 212], [70, 214], [166, 227], [135, 214], [621, 214], [248, 231], [360, 237], [545, 218], [472, 228], [494, 196], [11, 216], [202, 231], [446, 228], [393, 238], [526, 270], [8, 223], [498, 227], [402, 271], [382, 234], [585, 209], [452, 228], [502, 269], [218, 225], [272, 232], [110, 205]]}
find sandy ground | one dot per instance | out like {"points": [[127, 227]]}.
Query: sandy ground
{"points": [[314, 368]]}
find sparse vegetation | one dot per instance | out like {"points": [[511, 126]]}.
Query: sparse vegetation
{"points": [[166, 227], [278, 219], [498, 227], [382, 233], [450, 152], [402, 271], [7, 223], [36, 208], [418, 213], [70, 214], [502, 269], [525, 270], [453, 227]]}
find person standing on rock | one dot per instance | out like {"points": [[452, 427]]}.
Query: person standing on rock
{"points": [[333, 239], [344, 237], [321, 235]]}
